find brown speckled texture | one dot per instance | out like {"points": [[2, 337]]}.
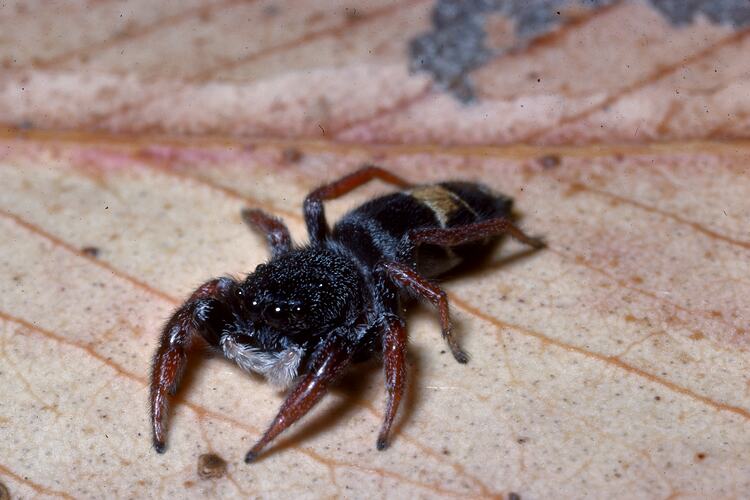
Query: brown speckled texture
{"points": [[613, 364]]}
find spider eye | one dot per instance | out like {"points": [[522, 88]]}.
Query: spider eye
{"points": [[255, 308], [275, 313], [297, 311]]}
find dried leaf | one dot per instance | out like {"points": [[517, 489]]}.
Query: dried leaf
{"points": [[612, 364], [613, 361]]}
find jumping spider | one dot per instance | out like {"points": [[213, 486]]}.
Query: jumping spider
{"points": [[301, 318]]}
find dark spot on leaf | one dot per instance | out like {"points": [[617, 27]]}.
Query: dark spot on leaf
{"points": [[549, 162], [25, 125], [271, 10], [91, 251], [291, 155], [352, 14]]}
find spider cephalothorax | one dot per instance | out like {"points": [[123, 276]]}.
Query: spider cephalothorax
{"points": [[302, 290], [304, 316]]}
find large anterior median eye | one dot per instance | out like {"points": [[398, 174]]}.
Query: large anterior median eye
{"points": [[297, 311], [276, 313], [285, 314]]}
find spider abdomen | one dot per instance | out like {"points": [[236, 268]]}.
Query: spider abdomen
{"points": [[375, 231]]}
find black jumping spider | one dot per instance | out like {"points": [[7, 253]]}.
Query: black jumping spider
{"points": [[305, 315]]}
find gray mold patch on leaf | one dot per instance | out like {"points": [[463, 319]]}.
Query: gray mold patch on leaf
{"points": [[682, 12], [456, 45]]}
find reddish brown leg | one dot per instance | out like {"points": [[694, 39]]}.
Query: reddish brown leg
{"points": [[202, 315], [453, 236], [406, 277], [315, 218], [273, 229], [328, 361], [394, 357]]}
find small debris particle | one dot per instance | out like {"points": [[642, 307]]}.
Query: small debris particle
{"points": [[700, 456], [446, 452], [521, 440], [211, 466], [91, 251], [657, 398], [292, 155], [549, 162], [514, 496], [352, 15], [4, 493]]}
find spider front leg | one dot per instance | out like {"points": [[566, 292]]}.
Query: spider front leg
{"points": [[204, 314], [328, 362], [394, 360], [404, 276], [275, 231], [315, 217]]}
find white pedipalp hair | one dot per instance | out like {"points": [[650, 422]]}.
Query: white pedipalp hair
{"points": [[202, 310], [279, 368]]}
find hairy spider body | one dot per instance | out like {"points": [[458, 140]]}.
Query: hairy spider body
{"points": [[304, 316]]}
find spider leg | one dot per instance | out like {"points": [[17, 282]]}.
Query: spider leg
{"points": [[328, 362], [405, 277], [394, 357], [315, 218], [272, 228], [204, 314], [453, 236]]}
